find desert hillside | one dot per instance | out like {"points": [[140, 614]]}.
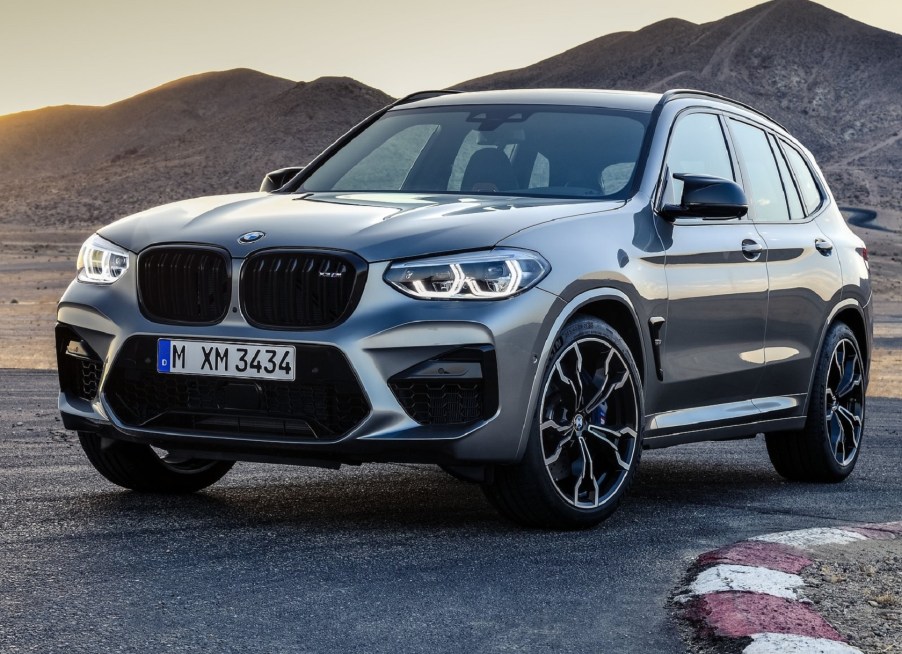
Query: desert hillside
{"points": [[833, 81], [75, 167]]}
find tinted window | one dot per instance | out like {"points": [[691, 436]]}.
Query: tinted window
{"points": [[792, 193], [811, 194], [541, 174], [616, 176], [470, 147], [697, 146], [388, 165], [762, 186], [533, 150]]}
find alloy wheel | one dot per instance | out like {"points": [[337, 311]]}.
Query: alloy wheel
{"points": [[844, 402], [589, 423]]}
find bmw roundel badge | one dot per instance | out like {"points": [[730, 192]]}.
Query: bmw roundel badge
{"points": [[251, 237]]}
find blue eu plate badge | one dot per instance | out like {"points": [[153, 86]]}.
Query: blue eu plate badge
{"points": [[164, 349]]}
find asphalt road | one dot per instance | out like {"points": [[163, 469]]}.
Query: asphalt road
{"points": [[386, 558]]}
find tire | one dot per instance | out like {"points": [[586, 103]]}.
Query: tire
{"points": [[454, 472], [827, 448], [591, 420], [139, 468]]}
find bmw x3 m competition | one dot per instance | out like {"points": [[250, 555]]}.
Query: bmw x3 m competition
{"points": [[527, 288]]}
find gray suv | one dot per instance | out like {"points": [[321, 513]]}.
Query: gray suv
{"points": [[527, 288]]}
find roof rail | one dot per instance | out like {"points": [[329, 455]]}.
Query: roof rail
{"points": [[422, 95], [676, 94]]}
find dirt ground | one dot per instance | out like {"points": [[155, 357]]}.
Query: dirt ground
{"points": [[37, 265], [35, 268], [858, 589]]}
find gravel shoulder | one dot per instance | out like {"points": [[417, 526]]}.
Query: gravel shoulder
{"points": [[858, 588]]}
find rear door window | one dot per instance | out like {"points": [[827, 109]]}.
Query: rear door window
{"points": [[763, 185], [796, 212]]}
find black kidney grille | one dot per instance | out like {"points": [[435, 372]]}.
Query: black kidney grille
{"points": [[184, 285], [297, 290]]}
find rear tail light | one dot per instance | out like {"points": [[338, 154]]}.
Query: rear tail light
{"points": [[864, 255]]}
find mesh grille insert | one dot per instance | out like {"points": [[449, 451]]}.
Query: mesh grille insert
{"points": [[88, 379], [441, 403], [79, 373]]}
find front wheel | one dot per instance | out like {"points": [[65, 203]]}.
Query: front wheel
{"points": [[139, 467], [586, 439], [827, 449]]}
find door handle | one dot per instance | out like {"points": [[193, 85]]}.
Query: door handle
{"points": [[751, 249], [823, 246]]}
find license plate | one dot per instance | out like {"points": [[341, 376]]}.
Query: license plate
{"points": [[226, 359]]}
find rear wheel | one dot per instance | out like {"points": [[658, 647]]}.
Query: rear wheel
{"points": [[586, 440], [827, 449], [141, 468]]}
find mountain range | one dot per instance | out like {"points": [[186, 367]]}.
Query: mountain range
{"points": [[833, 81]]}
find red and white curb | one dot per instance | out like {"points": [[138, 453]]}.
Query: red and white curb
{"points": [[751, 592]]}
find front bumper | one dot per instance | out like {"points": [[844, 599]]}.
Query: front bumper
{"points": [[388, 336]]}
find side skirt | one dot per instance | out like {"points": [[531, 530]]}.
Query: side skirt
{"points": [[725, 421]]}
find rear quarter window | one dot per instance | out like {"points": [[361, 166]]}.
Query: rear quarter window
{"points": [[811, 192]]}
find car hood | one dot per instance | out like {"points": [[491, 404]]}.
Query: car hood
{"points": [[376, 226]]}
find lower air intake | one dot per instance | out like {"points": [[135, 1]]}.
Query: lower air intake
{"points": [[440, 403], [325, 402]]}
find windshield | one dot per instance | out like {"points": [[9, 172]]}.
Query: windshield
{"points": [[535, 150]]}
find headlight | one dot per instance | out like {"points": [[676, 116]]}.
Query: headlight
{"points": [[101, 262], [469, 276]]}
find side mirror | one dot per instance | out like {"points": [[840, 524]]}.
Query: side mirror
{"points": [[278, 178], [705, 196]]}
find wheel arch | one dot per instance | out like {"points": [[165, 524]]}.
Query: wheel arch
{"points": [[851, 314], [854, 319], [609, 304], [810, 453], [619, 315]]}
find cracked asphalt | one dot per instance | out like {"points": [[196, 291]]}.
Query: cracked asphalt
{"points": [[381, 558]]}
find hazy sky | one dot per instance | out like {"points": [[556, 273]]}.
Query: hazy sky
{"points": [[100, 51]]}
